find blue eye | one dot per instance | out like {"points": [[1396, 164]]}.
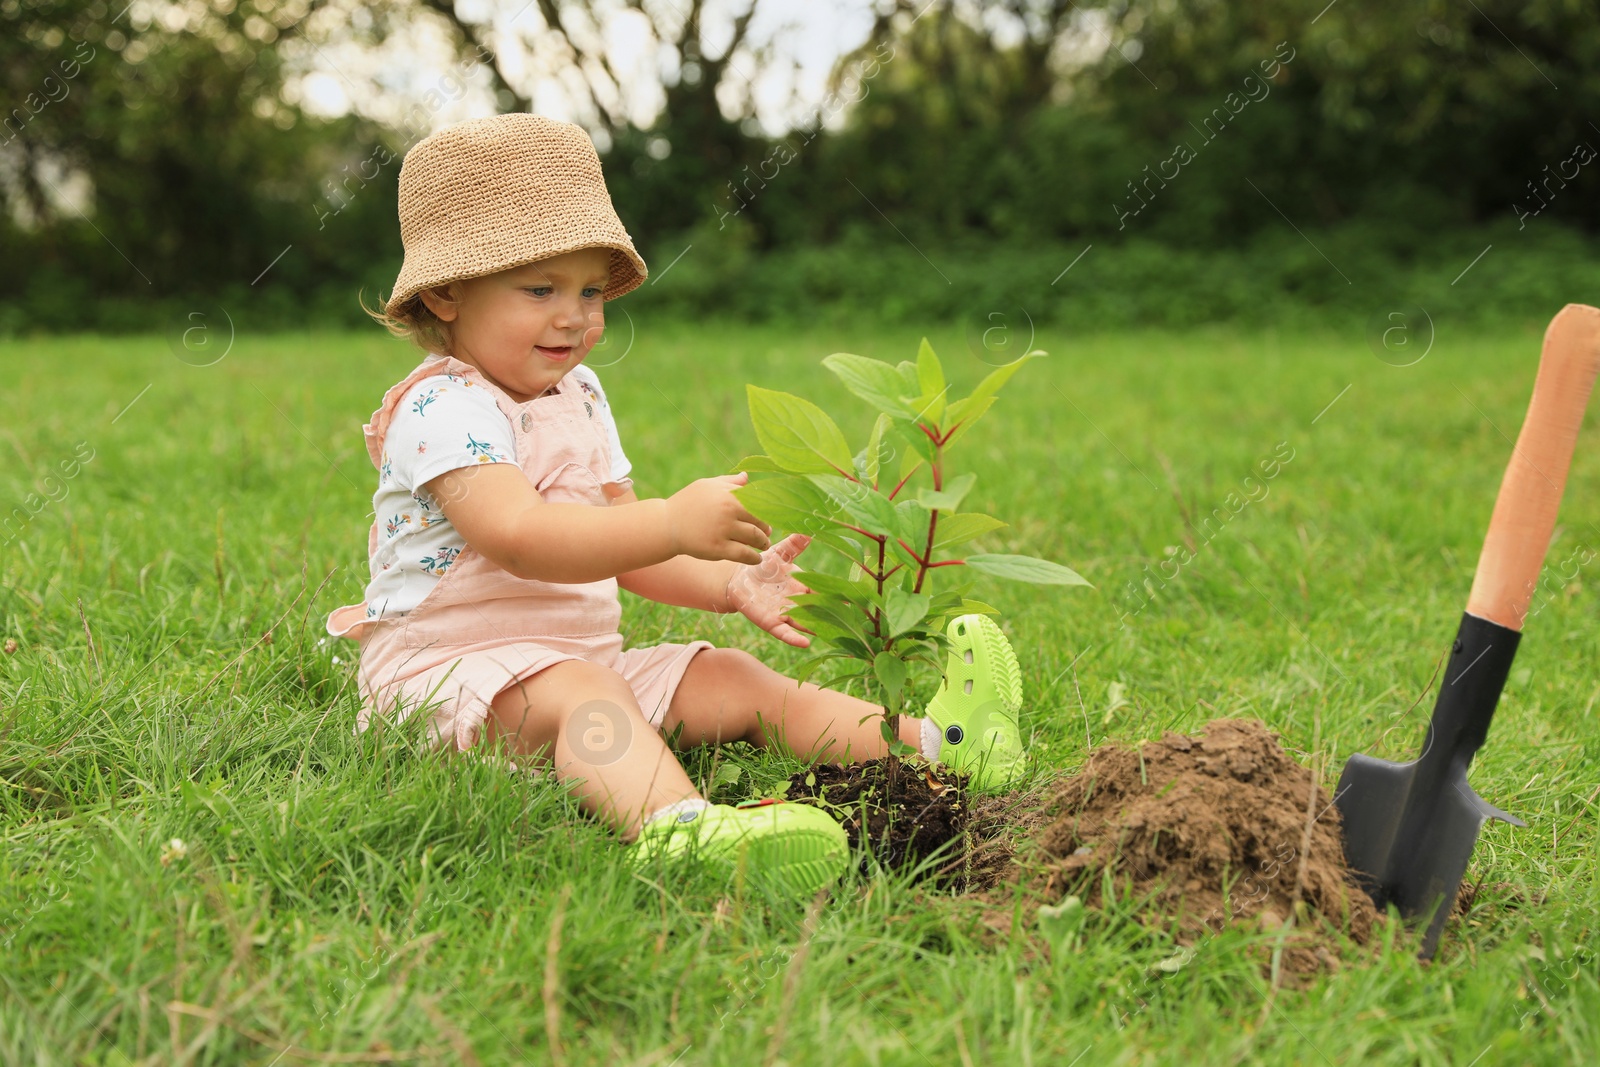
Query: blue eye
{"points": [[592, 292]]}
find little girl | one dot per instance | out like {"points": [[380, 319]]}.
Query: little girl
{"points": [[505, 523]]}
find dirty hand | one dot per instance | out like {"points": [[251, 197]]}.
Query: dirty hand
{"points": [[761, 591], [705, 520]]}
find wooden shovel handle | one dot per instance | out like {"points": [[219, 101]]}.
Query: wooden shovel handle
{"points": [[1525, 511]]}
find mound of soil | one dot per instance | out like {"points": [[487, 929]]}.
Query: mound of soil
{"points": [[1211, 830], [1219, 828]]}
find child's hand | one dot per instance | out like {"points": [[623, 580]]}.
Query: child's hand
{"points": [[706, 520], [761, 591]]}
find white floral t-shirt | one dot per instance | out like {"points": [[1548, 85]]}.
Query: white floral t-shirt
{"points": [[444, 422]]}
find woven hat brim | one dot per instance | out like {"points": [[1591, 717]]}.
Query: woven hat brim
{"points": [[628, 272]]}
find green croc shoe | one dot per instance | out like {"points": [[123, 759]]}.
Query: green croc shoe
{"points": [[977, 704], [794, 848]]}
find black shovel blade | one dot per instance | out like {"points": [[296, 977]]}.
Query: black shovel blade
{"points": [[1423, 878], [1409, 828]]}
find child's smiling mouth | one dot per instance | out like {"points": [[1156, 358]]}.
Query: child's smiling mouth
{"points": [[555, 354]]}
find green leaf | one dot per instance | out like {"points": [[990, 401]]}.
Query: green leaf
{"points": [[949, 498], [789, 503], [1025, 569], [930, 375], [856, 649], [879, 450], [757, 465], [962, 527], [874, 381], [963, 419], [1116, 699], [998, 377], [970, 606], [908, 374], [892, 673], [909, 462], [727, 773], [848, 545], [845, 551], [930, 410], [812, 665], [1176, 962], [834, 584], [1060, 921], [970, 409], [826, 610], [911, 519], [933, 393], [898, 554], [917, 445], [869, 509], [796, 433], [905, 610], [821, 628]]}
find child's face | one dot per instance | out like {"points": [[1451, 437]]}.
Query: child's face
{"points": [[528, 326]]}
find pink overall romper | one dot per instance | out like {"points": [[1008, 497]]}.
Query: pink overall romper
{"points": [[481, 629]]}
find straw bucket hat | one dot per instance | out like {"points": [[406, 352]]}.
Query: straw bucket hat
{"points": [[489, 194]]}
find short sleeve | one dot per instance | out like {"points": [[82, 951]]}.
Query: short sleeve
{"points": [[621, 467], [443, 423]]}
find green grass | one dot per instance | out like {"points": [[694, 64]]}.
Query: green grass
{"points": [[363, 897]]}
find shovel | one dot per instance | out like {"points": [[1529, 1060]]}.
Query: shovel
{"points": [[1409, 828]]}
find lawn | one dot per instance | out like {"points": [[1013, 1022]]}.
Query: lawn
{"points": [[358, 899]]}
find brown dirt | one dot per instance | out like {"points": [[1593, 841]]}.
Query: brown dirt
{"points": [[1210, 830], [927, 809]]}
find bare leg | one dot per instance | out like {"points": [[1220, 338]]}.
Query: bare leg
{"points": [[584, 717], [728, 695]]}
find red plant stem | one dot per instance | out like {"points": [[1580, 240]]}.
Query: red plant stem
{"points": [[903, 481], [846, 474], [877, 629], [923, 565], [909, 551], [857, 529], [926, 566]]}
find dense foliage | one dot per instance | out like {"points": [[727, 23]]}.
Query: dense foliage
{"points": [[151, 162]]}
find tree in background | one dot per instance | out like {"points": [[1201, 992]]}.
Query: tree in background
{"points": [[148, 161], [155, 153], [1037, 117]]}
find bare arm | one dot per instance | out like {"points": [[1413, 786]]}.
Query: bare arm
{"points": [[762, 593], [501, 515], [681, 581]]}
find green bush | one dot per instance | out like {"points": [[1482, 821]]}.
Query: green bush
{"points": [[1357, 271]]}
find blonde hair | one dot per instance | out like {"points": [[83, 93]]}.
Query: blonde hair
{"points": [[414, 321]]}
